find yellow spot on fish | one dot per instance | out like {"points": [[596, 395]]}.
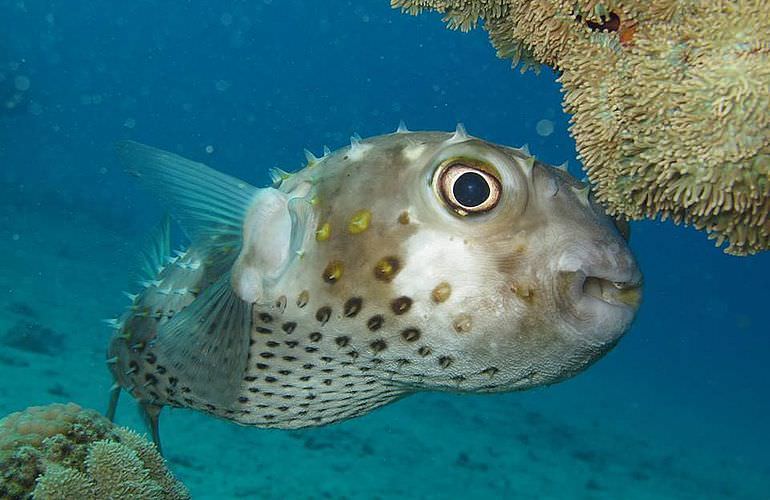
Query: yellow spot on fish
{"points": [[303, 299], [403, 218], [387, 268], [523, 291], [333, 271], [323, 232], [360, 222], [315, 201], [462, 323], [441, 293]]}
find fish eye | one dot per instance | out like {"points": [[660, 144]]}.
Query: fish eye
{"points": [[468, 186]]}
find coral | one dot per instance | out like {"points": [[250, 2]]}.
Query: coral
{"points": [[670, 100], [63, 451], [31, 336]]}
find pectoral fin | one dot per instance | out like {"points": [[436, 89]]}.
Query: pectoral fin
{"points": [[208, 342]]}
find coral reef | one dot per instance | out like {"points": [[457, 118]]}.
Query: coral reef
{"points": [[62, 451], [670, 100], [31, 336]]}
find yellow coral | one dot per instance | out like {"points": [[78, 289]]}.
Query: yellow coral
{"points": [[670, 100]]}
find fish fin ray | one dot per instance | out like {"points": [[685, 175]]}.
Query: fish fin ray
{"points": [[208, 205], [150, 414], [156, 250], [209, 342], [112, 405]]}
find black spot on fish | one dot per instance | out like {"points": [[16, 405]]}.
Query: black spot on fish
{"points": [[315, 336], [410, 334], [375, 322], [445, 361], [311, 349], [289, 358], [424, 351], [353, 307], [401, 305], [265, 317], [291, 343], [342, 341], [262, 366], [323, 314], [289, 327], [263, 330], [378, 345]]}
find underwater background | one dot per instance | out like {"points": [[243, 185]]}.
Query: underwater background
{"points": [[678, 410]]}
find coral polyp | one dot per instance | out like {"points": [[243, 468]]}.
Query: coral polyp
{"points": [[669, 100]]}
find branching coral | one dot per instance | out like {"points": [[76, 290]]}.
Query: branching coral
{"points": [[670, 100], [64, 452]]}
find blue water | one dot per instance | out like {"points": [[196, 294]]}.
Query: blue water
{"points": [[678, 410]]}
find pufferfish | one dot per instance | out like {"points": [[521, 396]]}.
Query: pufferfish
{"points": [[413, 261]]}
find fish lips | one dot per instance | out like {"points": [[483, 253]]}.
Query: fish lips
{"points": [[601, 304]]}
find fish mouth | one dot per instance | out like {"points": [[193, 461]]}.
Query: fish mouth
{"points": [[613, 291], [602, 303]]}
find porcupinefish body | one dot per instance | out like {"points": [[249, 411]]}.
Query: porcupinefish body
{"points": [[407, 262]]}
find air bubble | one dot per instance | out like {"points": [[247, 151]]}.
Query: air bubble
{"points": [[21, 83], [544, 128]]}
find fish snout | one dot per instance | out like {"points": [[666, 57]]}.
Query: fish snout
{"points": [[603, 286]]}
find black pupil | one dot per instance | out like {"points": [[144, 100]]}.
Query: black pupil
{"points": [[471, 189]]}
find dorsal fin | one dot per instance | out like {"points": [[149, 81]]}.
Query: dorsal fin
{"points": [[209, 205], [157, 251]]}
